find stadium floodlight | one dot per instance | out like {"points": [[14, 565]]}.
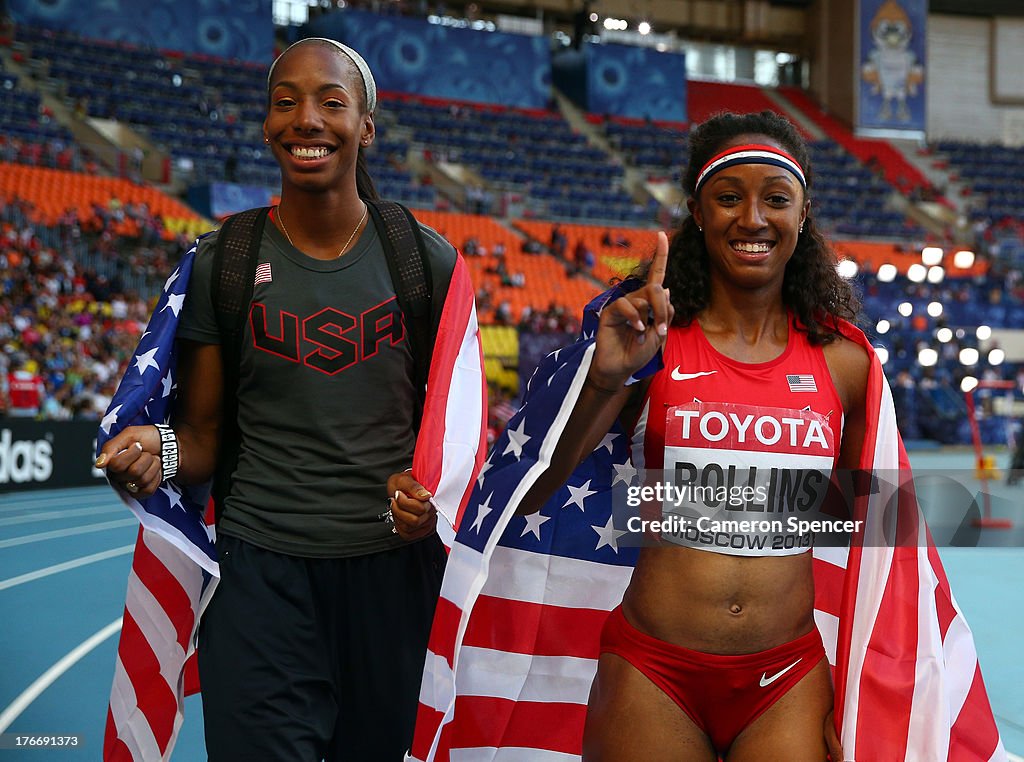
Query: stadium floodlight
{"points": [[847, 269], [883, 354], [916, 273], [996, 356], [906, 309], [927, 357], [887, 273], [931, 255], [969, 356], [945, 335], [936, 274], [935, 309], [963, 259], [644, 28], [968, 384], [882, 327], [983, 332]]}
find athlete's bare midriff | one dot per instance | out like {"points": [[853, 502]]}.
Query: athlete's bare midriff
{"points": [[720, 604]]}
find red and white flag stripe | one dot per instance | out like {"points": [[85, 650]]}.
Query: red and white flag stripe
{"points": [[452, 440]]}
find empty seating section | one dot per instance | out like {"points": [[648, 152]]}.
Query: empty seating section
{"points": [[659, 149], [52, 192], [535, 154], [206, 113], [28, 134], [995, 172], [850, 200], [545, 281]]}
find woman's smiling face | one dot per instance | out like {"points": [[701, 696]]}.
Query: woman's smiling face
{"points": [[316, 120], [751, 216]]}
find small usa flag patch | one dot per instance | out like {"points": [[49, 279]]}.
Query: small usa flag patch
{"points": [[802, 383], [262, 273]]}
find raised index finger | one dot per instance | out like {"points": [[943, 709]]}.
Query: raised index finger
{"points": [[656, 275]]}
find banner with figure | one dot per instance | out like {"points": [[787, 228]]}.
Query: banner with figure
{"points": [[891, 70]]}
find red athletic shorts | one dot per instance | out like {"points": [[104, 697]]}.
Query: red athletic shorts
{"points": [[722, 694]]}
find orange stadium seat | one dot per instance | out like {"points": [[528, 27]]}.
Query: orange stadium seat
{"points": [[611, 261], [54, 191], [546, 280]]}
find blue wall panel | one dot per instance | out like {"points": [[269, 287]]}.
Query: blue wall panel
{"points": [[412, 56], [636, 82], [238, 29]]}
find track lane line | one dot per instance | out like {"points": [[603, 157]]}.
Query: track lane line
{"points": [[45, 680], [65, 566], [39, 537]]}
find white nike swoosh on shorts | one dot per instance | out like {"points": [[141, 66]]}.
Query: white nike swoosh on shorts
{"points": [[766, 681], [677, 376]]}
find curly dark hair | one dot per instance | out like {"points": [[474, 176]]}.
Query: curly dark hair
{"points": [[811, 288]]}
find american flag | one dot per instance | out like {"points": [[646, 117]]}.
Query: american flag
{"points": [[263, 274], [174, 569], [515, 640], [802, 383]]}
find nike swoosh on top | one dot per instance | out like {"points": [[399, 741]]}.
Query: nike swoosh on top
{"points": [[766, 681], [677, 376]]}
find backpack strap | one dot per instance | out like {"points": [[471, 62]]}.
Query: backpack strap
{"points": [[234, 273], [405, 252]]}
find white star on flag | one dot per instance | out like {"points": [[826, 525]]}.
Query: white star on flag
{"points": [[624, 472], [168, 384], [608, 535], [487, 466], [145, 360], [170, 281], [482, 510], [607, 442], [516, 439], [533, 524], [174, 302], [578, 494], [109, 420], [173, 496]]}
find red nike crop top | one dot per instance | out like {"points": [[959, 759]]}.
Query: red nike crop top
{"points": [[743, 451]]}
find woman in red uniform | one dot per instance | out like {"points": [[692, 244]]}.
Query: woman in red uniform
{"points": [[714, 650]]}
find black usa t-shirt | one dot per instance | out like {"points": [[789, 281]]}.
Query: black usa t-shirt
{"points": [[325, 396]]}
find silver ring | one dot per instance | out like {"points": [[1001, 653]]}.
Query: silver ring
{"points": [[131, 487]]}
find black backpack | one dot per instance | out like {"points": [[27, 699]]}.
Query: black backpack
{"points": [[234, 268]]}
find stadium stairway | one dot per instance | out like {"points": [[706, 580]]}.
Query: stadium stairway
{"points": [[634, 180], [795, 115]]}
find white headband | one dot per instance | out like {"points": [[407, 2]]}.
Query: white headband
{"points": [[364, 71]]}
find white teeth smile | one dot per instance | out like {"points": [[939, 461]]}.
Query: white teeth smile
{"points": [[300, 152], [752, 248]]}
